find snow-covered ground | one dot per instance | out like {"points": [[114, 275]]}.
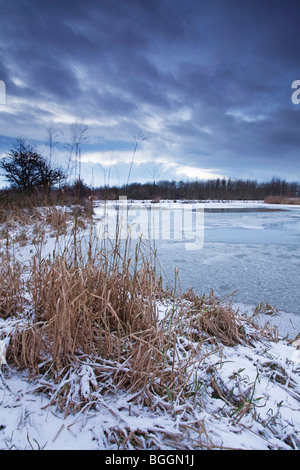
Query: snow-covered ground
{"points": [[245, 396], [249, 399]]}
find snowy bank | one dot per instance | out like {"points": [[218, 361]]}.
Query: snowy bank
{"points": [[244, 396], [210, 377]]}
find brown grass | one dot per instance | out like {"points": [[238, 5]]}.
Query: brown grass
{"points": [[282, 200], [213, 318], [12, 293], [101, 306], [92, 312]]}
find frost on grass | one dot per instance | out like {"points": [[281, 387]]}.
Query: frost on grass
{"points": [[100, 356], [200, 392]]}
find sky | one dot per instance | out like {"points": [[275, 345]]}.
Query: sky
{"points": [[200, 88]]}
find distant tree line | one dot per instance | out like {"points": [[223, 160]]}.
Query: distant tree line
{"points": [[221, 189], [29, 173]]}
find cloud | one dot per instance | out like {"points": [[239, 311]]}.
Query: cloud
{"points": [[195, 172], [208, 82]]}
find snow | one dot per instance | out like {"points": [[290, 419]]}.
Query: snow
{"points": [[265, 374], [27, 421]]}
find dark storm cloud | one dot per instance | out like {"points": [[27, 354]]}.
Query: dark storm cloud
{"points": [[209, 81]]}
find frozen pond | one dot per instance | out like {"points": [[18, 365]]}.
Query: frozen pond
{"points": [[248, 248]]}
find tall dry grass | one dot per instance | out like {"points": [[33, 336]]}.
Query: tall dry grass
{"points": [[91, 311], [12, 289], [87, 302]]}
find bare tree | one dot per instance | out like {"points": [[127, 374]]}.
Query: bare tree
{"points": [[25, 169], [78, 139]]}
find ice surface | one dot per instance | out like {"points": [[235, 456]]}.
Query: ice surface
{"points": [[251, 247]]}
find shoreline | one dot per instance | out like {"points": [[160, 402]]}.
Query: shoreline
{"points": [[288, 324], [193, 375]]}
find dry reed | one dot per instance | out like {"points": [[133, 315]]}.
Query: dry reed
{"points": [[92, 324], [13, 298]]}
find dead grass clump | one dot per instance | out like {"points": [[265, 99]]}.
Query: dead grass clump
{"points": [[91, 307], [100, 310], [57, 219], [149, 370], [17, 216], [12, 299], [221, 322], [214, 318], [26, 345]]}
